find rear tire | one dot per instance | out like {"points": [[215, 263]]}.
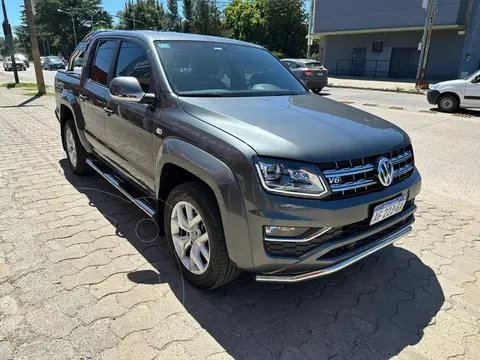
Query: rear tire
{"points": [[317, 91], [76, 154], [216, 268], [448, 103]]}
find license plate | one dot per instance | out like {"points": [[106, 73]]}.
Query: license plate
{"points": [[319, 74], [387, 209]]}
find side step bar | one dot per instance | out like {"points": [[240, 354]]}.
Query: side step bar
{"points": [[112, 180]]}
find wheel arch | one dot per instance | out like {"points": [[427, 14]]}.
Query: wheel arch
{"points": [[68, 108], [179, 161], [450, 93]]}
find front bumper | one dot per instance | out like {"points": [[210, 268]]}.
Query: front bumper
{"points": [[324, 255], [365, 251], [432, 96]]}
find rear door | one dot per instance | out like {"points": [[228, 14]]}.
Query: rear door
{"points": [[129, 125], [94, 93]]}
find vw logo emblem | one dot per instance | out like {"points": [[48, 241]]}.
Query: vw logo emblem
{"points": [[385, 171]]}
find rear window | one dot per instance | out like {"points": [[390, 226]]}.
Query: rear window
{"points": [[312, 65]]}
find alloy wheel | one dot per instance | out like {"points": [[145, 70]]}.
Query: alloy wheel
{"points": [[71, 148], [190, 237]]}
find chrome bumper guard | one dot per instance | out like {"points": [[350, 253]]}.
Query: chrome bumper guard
{"points": [[388, 240]]}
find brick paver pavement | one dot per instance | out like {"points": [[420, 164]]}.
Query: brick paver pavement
{"points": [[82, 276]]}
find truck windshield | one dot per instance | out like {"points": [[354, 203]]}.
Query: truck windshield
{"points": [[203, 68]]}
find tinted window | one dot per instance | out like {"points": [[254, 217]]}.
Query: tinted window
{"points": [[103, 59], [132, 61], [312, 65], [221, 69]]}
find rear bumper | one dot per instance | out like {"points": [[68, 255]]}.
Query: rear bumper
{"points": [[432, 96], [316, 84]]}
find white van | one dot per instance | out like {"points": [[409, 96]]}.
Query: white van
{"points": [[451, 95]]}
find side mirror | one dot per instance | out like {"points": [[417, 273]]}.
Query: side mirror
{"points": [[128, 89]]}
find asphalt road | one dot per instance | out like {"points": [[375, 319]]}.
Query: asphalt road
{"points": [[27, 76], [359, 97], [447, 146]]}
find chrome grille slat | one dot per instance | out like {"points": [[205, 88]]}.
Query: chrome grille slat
{"points": [[349, 171], [403, 157], [358, 179], [352, 185], [403, 170]]}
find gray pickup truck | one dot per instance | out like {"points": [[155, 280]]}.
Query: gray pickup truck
{"points": [[241, 165]]}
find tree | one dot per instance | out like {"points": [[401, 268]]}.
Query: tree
{"points": [[55, 30], [206, 17], [173, 19], [147, 14], [279, 25], [243, 21], [187, 25]]}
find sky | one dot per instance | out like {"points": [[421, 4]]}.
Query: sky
{"points": [[112, 6]]}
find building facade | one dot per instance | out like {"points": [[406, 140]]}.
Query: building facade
{"points": [[380, 39]]}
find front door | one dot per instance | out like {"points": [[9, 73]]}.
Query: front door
{"points": [[472, 94], [94, 95], [359, 58], [130, 125]]}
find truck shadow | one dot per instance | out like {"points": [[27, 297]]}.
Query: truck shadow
{"points": [[372, 310]]}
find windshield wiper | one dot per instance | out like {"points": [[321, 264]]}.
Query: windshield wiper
{"points": [[202, 95]]}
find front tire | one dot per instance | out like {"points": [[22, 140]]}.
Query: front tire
{"points": [[317, 91], [194, 231], [76, 154], [448, 103]]}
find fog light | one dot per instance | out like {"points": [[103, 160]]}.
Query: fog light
{"points": [[284, 231]]}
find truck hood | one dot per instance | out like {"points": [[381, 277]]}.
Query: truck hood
{"points": [[300, 127]]}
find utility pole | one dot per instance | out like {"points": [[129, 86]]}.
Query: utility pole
{"points": [[310, 27], [35, 51], [7, 31], [426, 39], [73, 24]]}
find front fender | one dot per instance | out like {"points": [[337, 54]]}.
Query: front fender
{"points": [[70, 101], [220, 178]]}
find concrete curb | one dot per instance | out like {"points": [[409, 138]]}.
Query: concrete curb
{"points": [[421, 92]]}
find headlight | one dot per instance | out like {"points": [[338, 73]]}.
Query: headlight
{"points": [[434, 87], [291, 178]]}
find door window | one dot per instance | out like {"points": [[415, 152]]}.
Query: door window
{"points": [[103, 59], [132, 61]]}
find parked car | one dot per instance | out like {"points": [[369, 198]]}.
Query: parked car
{"points": [[53, 63], [312, 73], [449, 96], [23, 58], [8, 64], [241, 166]]}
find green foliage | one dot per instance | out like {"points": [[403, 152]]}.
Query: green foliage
{"points": [[206, 18], [173, 19], [148, 14], [55, 30], [187, 26], [279, 25]]}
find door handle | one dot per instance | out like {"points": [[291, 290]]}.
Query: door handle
{"points": [[83, 97], [108, 110]]}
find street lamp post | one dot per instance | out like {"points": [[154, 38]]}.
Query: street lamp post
{"points": [[73, 22]]}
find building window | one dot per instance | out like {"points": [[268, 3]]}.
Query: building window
{"points": [[377, 47]]}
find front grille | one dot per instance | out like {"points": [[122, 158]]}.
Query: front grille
{"points": [[355, 177], [296, 249]]}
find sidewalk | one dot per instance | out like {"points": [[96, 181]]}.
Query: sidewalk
{"points": [[372, 84]]}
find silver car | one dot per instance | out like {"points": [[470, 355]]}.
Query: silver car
{"points": [[311, 72]]}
